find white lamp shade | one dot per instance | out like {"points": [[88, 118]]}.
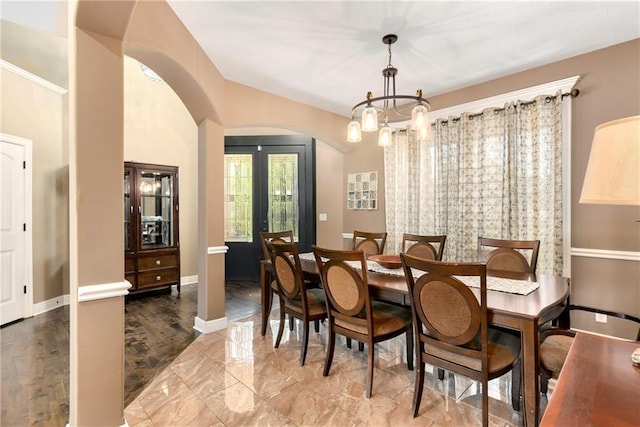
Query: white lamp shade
{"points": [[369, 119], [385, 136], [353, 132], [613, 171], [419, 117]]}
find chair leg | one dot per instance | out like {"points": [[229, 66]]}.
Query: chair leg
{"points": [[291, 323], [417, 391], [544, 382], [370, 369], [441, 374], [360, 346], [316, 324], [516, 385], [330, 346], [485, 403], [281, 326], [348, 342], [410, 348], [267, 298], [305, 341]]}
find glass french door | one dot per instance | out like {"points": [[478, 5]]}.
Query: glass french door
{"points": [[269, 186]]}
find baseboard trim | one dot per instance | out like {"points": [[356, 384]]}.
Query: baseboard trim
{"points": [[605, 254], [347, 235], [50, 304], [103, 290], [188, 280], [209, 326]]}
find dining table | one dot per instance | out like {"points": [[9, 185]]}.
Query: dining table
{"points": [[523, 313]]}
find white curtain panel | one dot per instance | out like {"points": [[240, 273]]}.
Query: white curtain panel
{"points": [[497, 174]]}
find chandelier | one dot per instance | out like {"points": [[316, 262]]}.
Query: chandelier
{"points": [[382, 106]]}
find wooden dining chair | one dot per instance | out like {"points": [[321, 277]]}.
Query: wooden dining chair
{"points": [[556, 341], [296, 300], [451, 327], [507, 255], [369, 243], [267, 283], [352, 313], [426, 247]]}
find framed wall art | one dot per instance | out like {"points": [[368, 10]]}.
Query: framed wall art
{"points": [[362, 191]]}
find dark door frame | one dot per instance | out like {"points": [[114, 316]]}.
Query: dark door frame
{"points": [[307, 184]]}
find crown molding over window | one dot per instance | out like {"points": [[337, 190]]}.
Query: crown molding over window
{"points": [[32, 77], [564, 85]]}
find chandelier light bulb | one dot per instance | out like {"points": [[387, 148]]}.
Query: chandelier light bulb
{"points": [[354, 133], [419, 117], [385, 136], [369, 119]]}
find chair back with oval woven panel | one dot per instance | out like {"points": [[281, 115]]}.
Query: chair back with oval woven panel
{"points": [[296, 299], [352, 313], [507, 255], [267, 281], [369, 243], [425, 247], [451, 327]]}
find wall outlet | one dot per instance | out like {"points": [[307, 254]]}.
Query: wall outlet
{"points": [[601, 318]]}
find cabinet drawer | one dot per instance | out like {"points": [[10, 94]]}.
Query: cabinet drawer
{"points": [[155, 262], [129, 265], [157, 278]]}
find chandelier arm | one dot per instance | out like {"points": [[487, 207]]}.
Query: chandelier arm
{"points": [[388, 97]]}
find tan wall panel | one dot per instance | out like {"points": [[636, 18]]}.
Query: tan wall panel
{"points": [[36, 113], [608, 284], [366, 156], [101, 373], [158, 129], [330, 195]]}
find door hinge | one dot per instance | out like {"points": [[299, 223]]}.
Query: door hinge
{"points": [[24, 226], [25, 289]]}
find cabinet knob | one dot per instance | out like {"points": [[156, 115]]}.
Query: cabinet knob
{"points": [[158, 277], [157, 262]]}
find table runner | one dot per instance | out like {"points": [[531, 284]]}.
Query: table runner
{"points": [[500, 284]]}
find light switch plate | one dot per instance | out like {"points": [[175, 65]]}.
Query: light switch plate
{"points": [[322, 217]]}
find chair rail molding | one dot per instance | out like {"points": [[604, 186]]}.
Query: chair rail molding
{"points": [[102, 291], [605, 254], [212, 250]]}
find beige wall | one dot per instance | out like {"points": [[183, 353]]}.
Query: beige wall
{"points": [[158, 129], [32, 111]]}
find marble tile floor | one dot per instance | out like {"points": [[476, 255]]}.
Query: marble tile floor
{"points": [[236, 378]]}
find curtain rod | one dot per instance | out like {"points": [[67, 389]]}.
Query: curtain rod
{"points": [[573, 93]]}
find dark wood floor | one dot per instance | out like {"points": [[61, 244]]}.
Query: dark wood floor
{"points": [[34, 354]]}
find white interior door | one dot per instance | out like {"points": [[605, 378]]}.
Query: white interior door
{"points": [[13, 274]]}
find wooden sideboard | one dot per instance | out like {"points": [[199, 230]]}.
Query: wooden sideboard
{"points": [[598, 385]]}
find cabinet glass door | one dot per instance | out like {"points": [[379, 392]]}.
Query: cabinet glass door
{"points": [[156, 210], [128, 208]]}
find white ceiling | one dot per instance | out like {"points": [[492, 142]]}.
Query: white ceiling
{"points": [[330, 53]]}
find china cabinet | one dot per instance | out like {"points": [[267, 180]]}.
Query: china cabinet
{"points": [[151, 237]]}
